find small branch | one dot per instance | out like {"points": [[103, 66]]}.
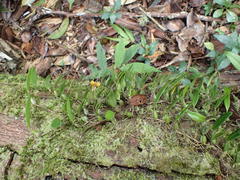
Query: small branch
{"points": [[181, 15], [153, 20]]}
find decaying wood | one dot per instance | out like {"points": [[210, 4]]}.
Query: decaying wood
{"points": [[12, 131]]}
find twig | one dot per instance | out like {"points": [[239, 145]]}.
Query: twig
{"points": [[153, 20], [81, 57], [181, 15]]}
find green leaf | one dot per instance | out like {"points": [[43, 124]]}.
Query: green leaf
{"points": [[227, 93], [102, 60], [229, 40], [109, 115], [131, 52], [61, 30], [31, 78], [234, 135], [113, 17], [218, 13], [117, 5], [222, 63], [221, 120], [220, 2], [139, 68], [112, 99], [129, 34], [39, 3], [27, 2], [196, 116], [56, 123], [119, 55], [70, 2], [120, 31], [234, 58], [28, 111], [231, 16], [69, 110], [105, 15], [195, 96], [209, 46]]}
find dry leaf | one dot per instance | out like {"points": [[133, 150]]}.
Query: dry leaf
{"points": [[138, 100], [175, 25], [194, 22], [184, 37], [65, 60]]}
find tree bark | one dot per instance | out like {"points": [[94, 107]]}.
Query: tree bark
{"points": [[13, 131]]}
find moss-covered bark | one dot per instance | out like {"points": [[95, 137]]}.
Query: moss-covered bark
{"points": [[126, 148]]}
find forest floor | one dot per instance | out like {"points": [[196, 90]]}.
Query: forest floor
{"points": [[138, 89]]}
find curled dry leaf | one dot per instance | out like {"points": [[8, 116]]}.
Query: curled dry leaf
{"points": [[175, 25], [26, 36], [138, 100], [65, 60]]}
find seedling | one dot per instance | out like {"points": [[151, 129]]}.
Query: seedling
{"points": [[112, 12]]}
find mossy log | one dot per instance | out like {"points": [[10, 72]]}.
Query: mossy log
{"points": [[125, 148]]}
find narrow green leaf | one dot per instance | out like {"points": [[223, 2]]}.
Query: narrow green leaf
{"points": [[139, 68], [70, 2], [38, 3], [131, 52], [31, 78], [69, 110], [195, 96], [56, 123], [61, 30], [119, 55], [112, 99], [120, 31], [129, 34], [196, 116], [234, 58], [28, 111], [109, 115], [227, 93], [221, 120], [102, 60], [234, 135]]}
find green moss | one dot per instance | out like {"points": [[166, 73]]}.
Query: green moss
{"points": [[139, 146]]}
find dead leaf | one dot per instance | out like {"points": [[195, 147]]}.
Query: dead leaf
{"points": [[199, 28], [50, 4], [27, 47], [138, 100], [184, 38], [26, 36], [41, 65], [175, 25], [90, 28], [93, 6], [196, 3], [7, 34], [65, 60], [56, 52], [40, 46]]}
